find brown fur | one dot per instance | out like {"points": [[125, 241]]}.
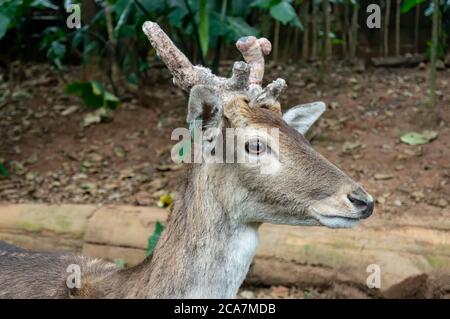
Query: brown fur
{"points": [[217, 205]]}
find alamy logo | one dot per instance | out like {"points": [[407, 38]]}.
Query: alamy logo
{"points": [[374, 279], [74, 19], [374, 19], [74, 277]]}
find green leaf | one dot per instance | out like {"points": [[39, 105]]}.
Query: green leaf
{"points": [[283, 12], [3, 171], [414, 138], [97, 88], [123, 17], [296, 23], [239, 28], [409, 4], [91, 46], [239, 8], [127, 31], [177, 15], [203, 26], [77, 38], [264, 4], [4, 24], [57, 50], [75, 87], [153, 239], [155, 6], [120, 262], [43, 4], [133, 78], [119, 6], [93, 94], [85, 91], [111, 101]]}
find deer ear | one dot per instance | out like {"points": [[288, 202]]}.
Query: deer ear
{"points": [[302, 117], [205, 105], [205, 113]]}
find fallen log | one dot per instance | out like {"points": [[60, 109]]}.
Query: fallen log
{"points": [[408, 60]]}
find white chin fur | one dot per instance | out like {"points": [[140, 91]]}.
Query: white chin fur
{"points": [[336, 222]]}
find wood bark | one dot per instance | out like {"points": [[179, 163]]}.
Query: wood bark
{"points": [[397, 27], [387, 17], [327, 22], [434, 44], [416, 29], [354, 31], [306, 30], [314, 30]]}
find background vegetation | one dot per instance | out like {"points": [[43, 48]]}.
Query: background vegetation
{"points": [[207, 30]]}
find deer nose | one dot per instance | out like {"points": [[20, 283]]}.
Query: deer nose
{"points": [[362, 201]]}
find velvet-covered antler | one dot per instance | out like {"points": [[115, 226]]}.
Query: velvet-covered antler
{"points": [[246, 78]]}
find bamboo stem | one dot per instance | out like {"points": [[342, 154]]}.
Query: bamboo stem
{"points": [[434, 44], [386, 27], [327, 22], [314, 30], [397, 27]]}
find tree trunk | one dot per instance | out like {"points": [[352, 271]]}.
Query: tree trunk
{"points": [[289, 43], [416, 29], [276, 40], [327, 22], [345, 31], [354, 31], [434, 44], [218, 50], [386, 27], [397, 27], [113, 44], [440, 27], [314, 30], [88, 11], [305, 19]]}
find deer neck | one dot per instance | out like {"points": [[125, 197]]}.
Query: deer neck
{"points": [[204, 251]]}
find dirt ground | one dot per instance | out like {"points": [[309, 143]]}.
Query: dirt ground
{"points": [[53, 158]]}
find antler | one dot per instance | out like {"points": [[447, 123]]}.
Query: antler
{"points": [[245, 77]]}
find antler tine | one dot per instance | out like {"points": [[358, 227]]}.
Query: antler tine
{"points": [[253, 51], [247, 76], [269, 94], [240, 78], [185, 75]]}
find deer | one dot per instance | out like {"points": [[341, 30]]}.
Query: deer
{"points": [[211, 235]]}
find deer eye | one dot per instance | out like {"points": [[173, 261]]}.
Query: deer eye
{"points": [[255, 146]]}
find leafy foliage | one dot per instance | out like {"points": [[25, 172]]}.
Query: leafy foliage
{"points": [[3, 171], [280, 10], [120, 262], [153, 239], [409, 4], [414, 138], [93, 94], [203, 26]]}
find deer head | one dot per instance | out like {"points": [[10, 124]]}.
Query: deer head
{"points": [[300, 187], [296, 186]]}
